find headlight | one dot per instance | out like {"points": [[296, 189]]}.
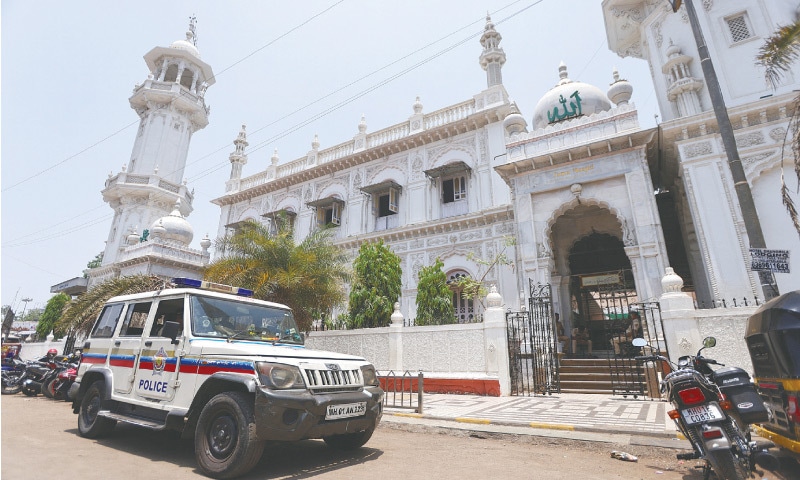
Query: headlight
{"points": [[370, 377], [279, 376]]}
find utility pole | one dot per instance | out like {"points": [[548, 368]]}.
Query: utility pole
{"points": [[743, 194], [26, 300]]}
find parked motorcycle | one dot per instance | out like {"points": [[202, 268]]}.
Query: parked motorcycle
{"points": [[13, 375], [713, 410], [35, 374], [57, 381]]}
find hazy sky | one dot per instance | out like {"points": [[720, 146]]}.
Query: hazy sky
{"points": [[68, 69]]}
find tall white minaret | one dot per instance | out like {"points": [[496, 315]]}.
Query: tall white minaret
{"points": [[171, 107], [493, 57]]}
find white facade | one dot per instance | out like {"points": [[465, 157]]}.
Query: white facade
{"points": [[694, 162], [149, 233], [456, 181], [426, 186]]}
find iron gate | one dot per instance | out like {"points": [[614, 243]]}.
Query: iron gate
{"points": [[610, 308], [532, 351]]}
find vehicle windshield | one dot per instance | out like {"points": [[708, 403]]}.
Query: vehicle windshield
{"points": [[232, 320]]}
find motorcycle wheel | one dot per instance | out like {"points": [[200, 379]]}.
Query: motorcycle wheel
{"points": [[726, 466], [30, 390], [11, 386], [48, 388]]}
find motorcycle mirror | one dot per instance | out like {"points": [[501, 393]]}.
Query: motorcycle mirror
{"points": [[709, 342], [639, 342]]}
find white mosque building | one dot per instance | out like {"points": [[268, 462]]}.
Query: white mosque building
{"points": [[590, 198]]}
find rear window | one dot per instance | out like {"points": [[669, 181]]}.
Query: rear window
{"points": [[107, 322]]}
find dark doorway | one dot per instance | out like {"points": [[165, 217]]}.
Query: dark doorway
{"points": [[596, 253]]}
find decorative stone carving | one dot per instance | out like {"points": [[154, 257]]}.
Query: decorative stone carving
{"points": [[357, 181], [685, 344], [671, 282], [750, 139], [698, 149], [777, 134]]}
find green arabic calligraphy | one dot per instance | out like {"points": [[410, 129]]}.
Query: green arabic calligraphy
{"points": [[574, 109]]}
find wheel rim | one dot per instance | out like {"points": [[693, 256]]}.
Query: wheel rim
{"points": [[221, 436], [92, 407]]}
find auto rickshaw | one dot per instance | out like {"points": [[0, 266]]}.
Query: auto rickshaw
{"points": [[773, 339]]}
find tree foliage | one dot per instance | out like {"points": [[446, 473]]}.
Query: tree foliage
{"points": [[376, 287], [80, 313], [52, 312], [309, 277], [475, 288], [434, 297], [94, 263], [780, 51]]}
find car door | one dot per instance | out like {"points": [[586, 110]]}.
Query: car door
{"points": [[126, 349], [159, 364]]}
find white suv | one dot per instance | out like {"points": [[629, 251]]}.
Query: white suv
{"points": [[229, 370]]}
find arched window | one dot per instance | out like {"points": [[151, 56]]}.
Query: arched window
{"points": [[172, 73], [464, 307], [187, 78]]}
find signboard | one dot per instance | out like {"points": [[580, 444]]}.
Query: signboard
{"points": [[765, 260], [594, 280]]}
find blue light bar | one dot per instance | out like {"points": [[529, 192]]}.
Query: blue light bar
{"points": [[216, 287]]}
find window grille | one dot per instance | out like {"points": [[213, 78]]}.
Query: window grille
{"points": [[739, 29]]}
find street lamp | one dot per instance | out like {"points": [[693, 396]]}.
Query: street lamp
{"points": [[743, 194], [26, 300]]}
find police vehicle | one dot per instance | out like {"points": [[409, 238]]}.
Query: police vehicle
{"points": [[225, 369]]}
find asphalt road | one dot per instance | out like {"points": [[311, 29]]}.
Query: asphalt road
{"points": [[40, 440]]}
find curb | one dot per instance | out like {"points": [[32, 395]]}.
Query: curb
{"points": [[535, 425]]}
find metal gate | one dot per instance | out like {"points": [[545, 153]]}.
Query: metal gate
{"points": [[614, 315], [532, 340]]}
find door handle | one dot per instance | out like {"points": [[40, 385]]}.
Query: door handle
{"points": [[148, 343], [117, 343]]}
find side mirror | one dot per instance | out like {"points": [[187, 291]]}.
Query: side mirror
{"points": [[639, 342], [171, 330], [709, 342]]}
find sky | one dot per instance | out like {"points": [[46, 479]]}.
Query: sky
{"points": [[288, 70]]}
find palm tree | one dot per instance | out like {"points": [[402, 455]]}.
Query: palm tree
{"points": [[309, 277], [79, 314], [777, 56]]}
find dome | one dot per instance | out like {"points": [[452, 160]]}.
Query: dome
{"points": [[620, 90], [175, 227], [186, 46], [569, 99]]}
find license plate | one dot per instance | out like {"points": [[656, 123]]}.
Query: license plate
{"points": [[346, 410], [703, 413]]}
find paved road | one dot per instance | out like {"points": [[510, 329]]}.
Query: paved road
{"points": [[31, 425]]}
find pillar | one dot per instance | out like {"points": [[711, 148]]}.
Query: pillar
{"points": [[496, 338]]}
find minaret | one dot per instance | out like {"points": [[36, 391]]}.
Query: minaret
{"points": [[493, 57], [171, 107], [238, 157]]}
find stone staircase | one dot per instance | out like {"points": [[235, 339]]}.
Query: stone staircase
{"points": [[594, 375]]}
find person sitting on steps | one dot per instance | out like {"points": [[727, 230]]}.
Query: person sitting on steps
{"points": [[561, 333], [581, 338], [634, 330]]}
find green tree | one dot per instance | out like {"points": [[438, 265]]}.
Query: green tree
{"points": [[780, 51], [80, 313], [376, 287], [94, 263], [434, 297], [474, 288], [309, 277], [51, 314]]}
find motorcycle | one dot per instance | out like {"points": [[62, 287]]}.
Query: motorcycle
{"points": [[57, 381], [713, 410], [35, 374], [13, 375]]}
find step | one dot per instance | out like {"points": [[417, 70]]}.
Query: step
{"points": [[133, 420]]}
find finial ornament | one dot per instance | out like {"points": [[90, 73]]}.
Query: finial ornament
{"points": [[191, 35]]}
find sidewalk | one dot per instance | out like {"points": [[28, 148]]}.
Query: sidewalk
{"points": [[602, 418]]}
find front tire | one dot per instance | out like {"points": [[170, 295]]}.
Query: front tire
{"points": [[31, 389], [11, 384], [48, 389], [349, 441], [225, 442], [90, 424]]}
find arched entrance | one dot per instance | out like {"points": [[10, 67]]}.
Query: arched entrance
{"points": [[596, 280]]}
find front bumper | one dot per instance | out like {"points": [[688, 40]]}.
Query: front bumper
{"points": [[297, 415]]}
